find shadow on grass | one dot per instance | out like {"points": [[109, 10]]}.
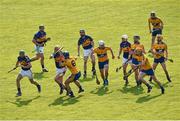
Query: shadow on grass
{"points": [[134, 90], [100, 91], [65, 101], [146, 98], [19, 102], [86, 79], [38, 75]]}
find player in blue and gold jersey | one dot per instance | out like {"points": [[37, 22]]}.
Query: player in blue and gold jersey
{"points": [[60, 69], [125, 47], [87, 44], [160, 53], [157, 25], [70, 63], [103, 60], [24, 62], [39, 40]]}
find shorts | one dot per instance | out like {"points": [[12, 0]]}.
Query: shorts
{"points": [[39, 49], [159, 60], [148, 72], [134, 61], [124, 60], [26, 73], [77, 76], [60, 71], [156, 31], [104, 64], [87, 52]]}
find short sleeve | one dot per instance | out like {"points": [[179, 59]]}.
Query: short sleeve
{"points": [[79, 41], [28, 59], [95, 50]]}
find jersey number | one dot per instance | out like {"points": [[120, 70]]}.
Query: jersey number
{"points": [[73, 63]]}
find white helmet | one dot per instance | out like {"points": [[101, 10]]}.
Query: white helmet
{"points": [[125, 36], [101, 42]]}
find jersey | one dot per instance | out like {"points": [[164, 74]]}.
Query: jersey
{"points": [[102, 53], [135, 46], [85, 41], [40, 37], [159, 47], [126, 47], [70, 63], [146, 65], [59, 59], [155, 22], [24, 61]]}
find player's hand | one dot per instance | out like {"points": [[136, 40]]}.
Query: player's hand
{"points": [[48, 39], [113, 57], [118, 57], [78, 55]]}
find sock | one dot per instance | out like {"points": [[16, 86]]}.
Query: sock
{"points": [[84, 72], [42, 66], [19, 90], [61, 86], [147, 85], [80, 88], [93, 68]]}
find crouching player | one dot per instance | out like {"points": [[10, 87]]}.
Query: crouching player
{"points": [[134, 58], [60, 70], [103, 60], [24, 62], [160, 55], [75, 74], [125, 46], [146, 70]]}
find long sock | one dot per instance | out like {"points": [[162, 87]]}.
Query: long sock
{"points": [[19, 90], [42, 66], [84, 72]]}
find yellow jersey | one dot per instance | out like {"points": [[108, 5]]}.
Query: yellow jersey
{"points": [[146, 65], [159, 47], [70, 63], [102, 53], [155, 22]]}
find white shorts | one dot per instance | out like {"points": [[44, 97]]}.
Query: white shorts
{"points": [[27, 73], [60, 71], [87, 52], [39, 49], [124, 60]]}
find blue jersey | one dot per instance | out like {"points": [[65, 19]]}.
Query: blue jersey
{"points": [[24, 61], [85, 41], [59, 59], [40, 37], [126, 47]]}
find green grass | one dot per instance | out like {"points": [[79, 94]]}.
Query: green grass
{"points": [[102, 19]]}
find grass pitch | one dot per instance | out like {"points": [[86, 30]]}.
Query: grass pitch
{"points": [[102, 19]]}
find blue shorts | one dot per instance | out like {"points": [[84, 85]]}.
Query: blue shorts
{"points": [[160, 60], [102, 64], [77, 76], [149, 72], [156, 31], [134, 61]]}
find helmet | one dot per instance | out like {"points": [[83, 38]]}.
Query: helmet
{"points": [[56, 48], [41, 25], [137, 36], [82, 30], [66, 54], [125, 36], [101, 42], [21, 52]]}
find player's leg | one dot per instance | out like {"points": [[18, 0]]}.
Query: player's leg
{"points": [[59, 80], [159, 83], [85, 66], [67, 84], [42, 62], [93, 64], [18, 79], [106, 70], [136, 73], [141, 79], [154, 66], [165, 70], [124, 72], [77, 83], [35, 57]]}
